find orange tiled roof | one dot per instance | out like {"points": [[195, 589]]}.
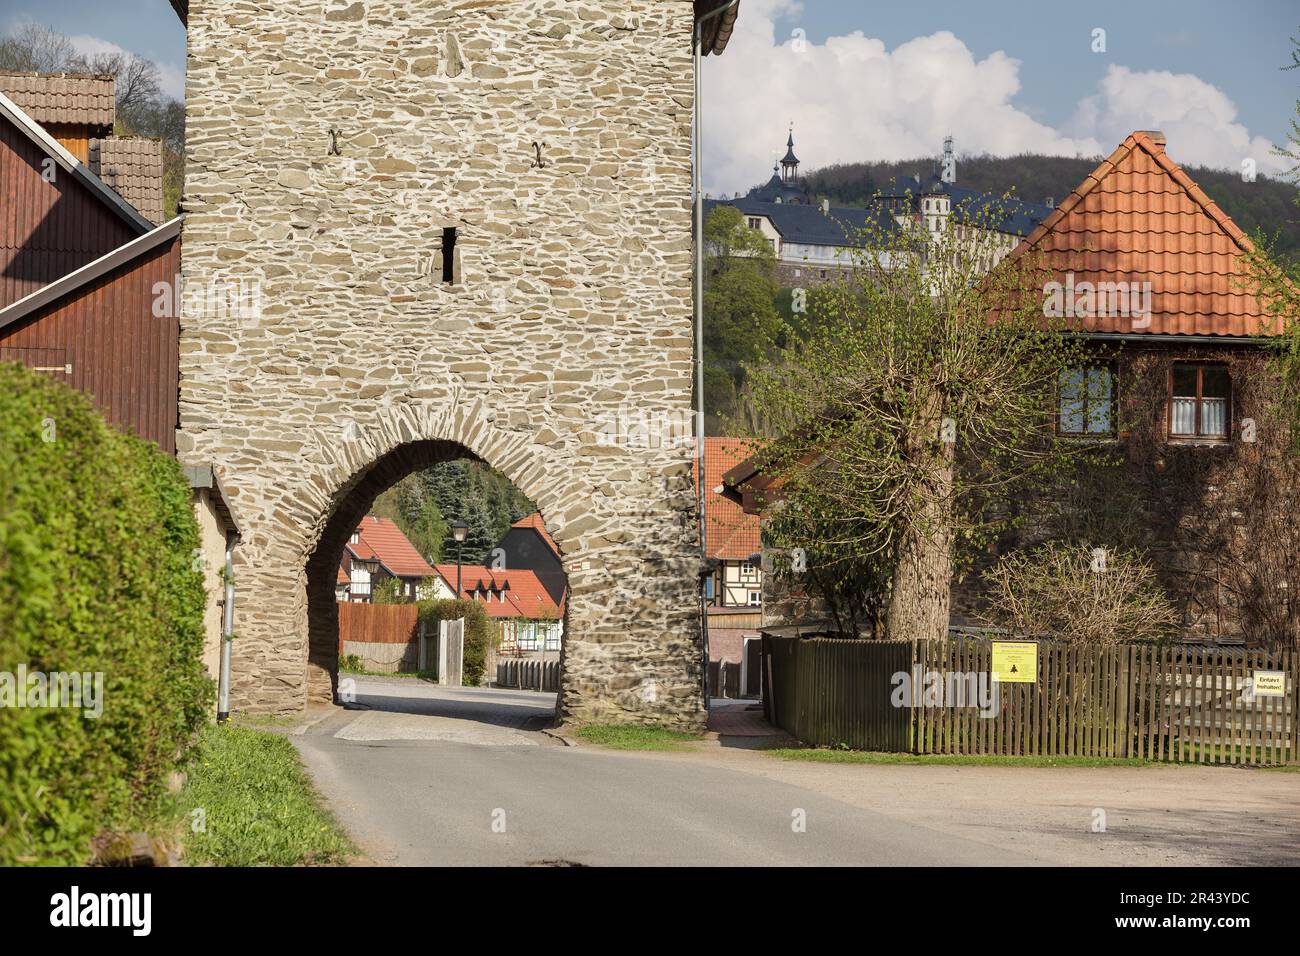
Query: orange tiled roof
{"points": [[534, 521], [382, 541], [1138, 217], [730, 534], [522, 594], [78, 99]]}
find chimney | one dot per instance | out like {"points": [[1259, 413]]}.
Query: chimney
{"points": [[132, 167], [1155, 135], [826, 207]]}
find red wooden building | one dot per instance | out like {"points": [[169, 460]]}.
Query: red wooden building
{"points": [[87, 291]]}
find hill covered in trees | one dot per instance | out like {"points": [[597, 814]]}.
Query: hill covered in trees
{"points": [[424, 504], [1265, 204]]}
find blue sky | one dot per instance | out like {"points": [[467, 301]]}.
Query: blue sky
{"points": [[887, 80], [866, 80], [1236, 45], [148, 28]]}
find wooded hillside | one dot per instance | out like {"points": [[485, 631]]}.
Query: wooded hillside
{"points": [[1265, 204]]}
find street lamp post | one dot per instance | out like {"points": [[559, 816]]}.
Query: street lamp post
{"points": [[459, 530]]}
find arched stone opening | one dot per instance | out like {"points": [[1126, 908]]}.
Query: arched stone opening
{"points": [[349, 506]]}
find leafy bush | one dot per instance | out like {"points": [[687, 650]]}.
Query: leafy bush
{"points": [[478, 632], [1079, 595], [97, 544], [388, 591]]}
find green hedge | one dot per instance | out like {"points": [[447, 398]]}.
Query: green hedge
{"points": [[478, 633], [97, 574]]}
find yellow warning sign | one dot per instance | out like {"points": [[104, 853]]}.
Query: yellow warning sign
{"points": [[1015, 662], [1270, 683]]}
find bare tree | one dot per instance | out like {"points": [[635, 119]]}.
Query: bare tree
{"points": [[1079, 594], [908, 422], [34, 48]]}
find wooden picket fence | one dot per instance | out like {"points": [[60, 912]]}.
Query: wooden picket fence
{"points": [[1182, 704]]}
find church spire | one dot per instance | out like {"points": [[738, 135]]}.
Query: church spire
{"points": [[790, 164]]}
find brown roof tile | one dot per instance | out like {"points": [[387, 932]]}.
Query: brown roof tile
{"points": [[1138, 217], [381, 540], [730, 534], [80, 99], [132, 167], [518, 592]]}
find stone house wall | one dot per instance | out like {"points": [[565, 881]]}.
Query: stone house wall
{"points": [[1217, 521], [1192, 509], [329, 145]]}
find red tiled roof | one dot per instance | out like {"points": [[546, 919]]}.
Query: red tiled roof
{"points": [[1138, 217], [730, 534], [523, 593], [534, 521], [381, 540]]}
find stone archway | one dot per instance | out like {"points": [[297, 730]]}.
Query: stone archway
{"points": [[322, 607], [367, 458], [630, 650], [567, 317]]}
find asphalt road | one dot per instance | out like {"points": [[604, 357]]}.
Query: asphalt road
{"points": [[470, 792], [429, 776], [492, 794]]}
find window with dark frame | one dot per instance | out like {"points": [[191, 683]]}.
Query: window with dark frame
{"points": [[1200, 402], [1086, 401]]}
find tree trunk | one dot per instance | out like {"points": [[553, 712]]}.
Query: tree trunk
{"points": [[920, 599]]}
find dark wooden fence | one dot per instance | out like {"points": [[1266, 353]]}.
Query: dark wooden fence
{"points": [[724, 679], [826, 691], [528, 674], [1183, 704]]}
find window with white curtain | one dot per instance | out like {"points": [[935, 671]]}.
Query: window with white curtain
{"points": [[1200, 402]]}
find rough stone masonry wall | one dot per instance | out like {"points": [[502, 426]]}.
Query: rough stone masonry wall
{"points": [[572, 306]]}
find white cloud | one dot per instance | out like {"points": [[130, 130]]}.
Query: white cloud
{"points": [[1198, 120], [854, 100]]}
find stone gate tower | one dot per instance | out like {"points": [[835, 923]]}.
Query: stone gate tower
{"points": [[454, 228]]}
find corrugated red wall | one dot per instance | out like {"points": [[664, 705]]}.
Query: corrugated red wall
{"points": [[119, 353], [47, 229]]}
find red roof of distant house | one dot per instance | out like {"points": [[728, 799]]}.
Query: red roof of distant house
{"points": [[516, 593], [381, 540], [1138, 217], [534, 521], [730, 534]]}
